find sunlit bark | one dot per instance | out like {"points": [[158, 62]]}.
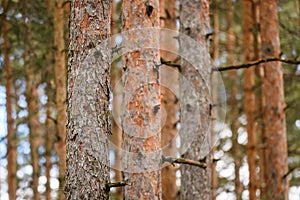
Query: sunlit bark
{"points": [[141, 100], [274, 133]]}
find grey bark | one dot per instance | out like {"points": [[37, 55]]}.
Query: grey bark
{"points": [[88, 100], [195, 98]]}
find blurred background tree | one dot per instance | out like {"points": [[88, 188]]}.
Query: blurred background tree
{"points": [[33, 45]]}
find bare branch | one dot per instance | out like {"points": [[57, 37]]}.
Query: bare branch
{"points": [[117, 184], [184, 161], [171, 64], [291, 171], [254, 63]]}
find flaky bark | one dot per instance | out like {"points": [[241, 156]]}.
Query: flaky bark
{"points": [[194, 19], [169, 100], [249, 99], [11, 135], [60, 80], [275, 162], [141, 100], [88, 126], [232, 102]]}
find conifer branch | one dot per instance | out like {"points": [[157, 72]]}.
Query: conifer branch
{"points": [[184, 161], [254, 63]]}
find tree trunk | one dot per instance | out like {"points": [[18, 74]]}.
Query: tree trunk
{"points": [[88, 125], [276, 165], [116, 137], [32, 98], [169, 100], [249, 99], [233, 103], [215, 55], [141, 97], [49, 141], [11, 135], [195, 105], [60, 80]]}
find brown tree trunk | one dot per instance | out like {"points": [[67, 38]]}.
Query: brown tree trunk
{"points": [[32, 98], [249, 101], [215, 55], [233, 103], [169, 101], [275, 163], [194, 105], [49, 141], [50, 125], [141, 100], [11, 136], [117, 101], [60, 80], [88, 126]]}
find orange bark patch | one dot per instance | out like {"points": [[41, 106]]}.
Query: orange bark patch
{"points": [[85, 23], [149, 144], [139, 120]]}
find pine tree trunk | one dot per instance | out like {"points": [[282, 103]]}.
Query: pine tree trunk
{"points": [[49, 142], [117, 101], [194, 19], [168, 14], [276, 165], [11, 136], [60, 80], [88, 125], [32, 98], [141, 100], [233, 103], [249, 99]]}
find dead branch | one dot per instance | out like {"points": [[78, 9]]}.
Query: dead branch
{"points": [[254, 63], [117, 184], [291, 171], [184, 161]]}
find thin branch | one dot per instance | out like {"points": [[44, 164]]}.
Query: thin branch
{"points": [[171, 64], [3, 138], [184, 161], [240, 66], [254, 63], [117, 184], [52, 119], [291, 171]]}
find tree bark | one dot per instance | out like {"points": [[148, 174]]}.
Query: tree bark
{"points": [[194, 19], [60, 80], [249, 99], [276, 165], [88, 127], [168, 14], [11, 135], [141, 100]]}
